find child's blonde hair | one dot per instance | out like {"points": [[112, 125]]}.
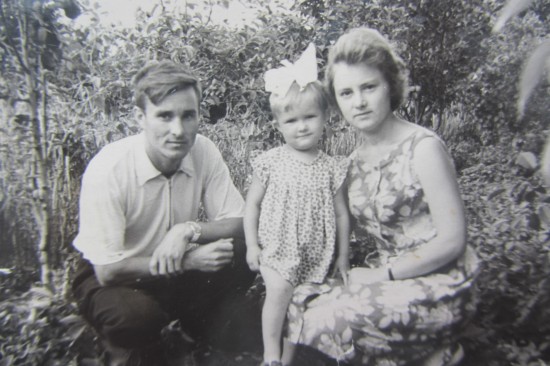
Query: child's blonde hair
{"points": [[295, 96]]}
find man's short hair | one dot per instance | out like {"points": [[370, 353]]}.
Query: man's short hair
{"points": [[157, 80]]}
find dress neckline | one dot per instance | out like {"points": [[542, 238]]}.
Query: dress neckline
{"points": [[388, 157], [291, 156]]}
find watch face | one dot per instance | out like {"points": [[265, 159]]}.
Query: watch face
{"points": [[196, 230]]}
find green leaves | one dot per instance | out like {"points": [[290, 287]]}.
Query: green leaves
{"points": [[537, 63], [39, 327], [508, 214], [528, 161], [511, 9], [545, 170], [533, 73]]}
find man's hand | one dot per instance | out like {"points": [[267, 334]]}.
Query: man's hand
{"points": [[209, 257], [168, 257], [253, 257]]}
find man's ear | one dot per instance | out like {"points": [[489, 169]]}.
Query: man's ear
{"points": [[139, 115]]}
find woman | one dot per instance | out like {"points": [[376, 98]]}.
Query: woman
{"points": [[405, 305]]}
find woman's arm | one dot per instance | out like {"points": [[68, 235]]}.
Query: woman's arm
{"points": [[437, 177], [254, 198]]}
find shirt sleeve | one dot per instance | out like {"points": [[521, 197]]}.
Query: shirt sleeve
{"points": [[221, 199], [102, 220]]}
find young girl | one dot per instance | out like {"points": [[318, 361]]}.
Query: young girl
{"points": [[295, 207]]}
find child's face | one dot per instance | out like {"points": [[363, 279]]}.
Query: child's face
{"points": [[302, 125]]}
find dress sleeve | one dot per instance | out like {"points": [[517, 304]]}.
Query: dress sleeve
{"points": [[260, 167], [339, 172]]}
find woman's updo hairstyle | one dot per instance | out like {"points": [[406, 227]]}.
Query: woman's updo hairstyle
{"points": [[367, 46]]}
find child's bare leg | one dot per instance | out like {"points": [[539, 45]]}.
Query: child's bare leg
{"points": [[278, 295], [288, 352]]}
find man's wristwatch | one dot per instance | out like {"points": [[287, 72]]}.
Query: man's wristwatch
{"points": [[196, 231]]}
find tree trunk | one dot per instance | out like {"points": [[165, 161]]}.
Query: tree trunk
{"points": [[545, 163], [41, 194], [39, 147]]}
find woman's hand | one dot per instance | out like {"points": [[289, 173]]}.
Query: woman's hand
{"points": [[365, 276]]}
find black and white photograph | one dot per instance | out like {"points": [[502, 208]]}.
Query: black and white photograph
{"points": [[274, 183]]}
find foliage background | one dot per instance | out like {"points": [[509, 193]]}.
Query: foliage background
{"points": [[465, 85]]}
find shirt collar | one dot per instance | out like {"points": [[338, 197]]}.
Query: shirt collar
{"points": [[145, 170]]}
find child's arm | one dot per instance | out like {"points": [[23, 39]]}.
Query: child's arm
{"points": [[254, 198], [342, 233]]}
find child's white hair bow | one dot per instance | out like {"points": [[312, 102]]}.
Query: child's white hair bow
{"points": [[303, 71]]}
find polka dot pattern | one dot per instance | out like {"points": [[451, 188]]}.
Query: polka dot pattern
{"points": [[297, 227]]}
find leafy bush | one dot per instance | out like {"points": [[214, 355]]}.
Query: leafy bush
{"points": [[510, 228], [41, 328]]}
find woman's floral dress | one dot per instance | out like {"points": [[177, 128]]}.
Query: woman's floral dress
{"points": [[389, 322]]}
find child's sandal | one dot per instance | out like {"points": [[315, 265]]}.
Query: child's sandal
{"points": [[272, 363], [454, 356]]}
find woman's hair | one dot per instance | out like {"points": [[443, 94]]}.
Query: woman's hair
{"points": [[367, 46], [294, 97], [157, 80]]}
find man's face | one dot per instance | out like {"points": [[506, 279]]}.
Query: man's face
{"points": [[170, 128]]}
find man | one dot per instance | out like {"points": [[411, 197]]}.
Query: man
{"points": [[147, 260]]}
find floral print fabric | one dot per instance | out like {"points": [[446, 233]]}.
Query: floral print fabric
{"points": [[297, 226], [389, 322]]}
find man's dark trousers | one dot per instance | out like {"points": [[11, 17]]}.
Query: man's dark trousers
{"points": [[132, 316]]}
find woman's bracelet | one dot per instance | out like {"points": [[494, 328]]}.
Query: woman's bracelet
{"points": [[390, 273]]}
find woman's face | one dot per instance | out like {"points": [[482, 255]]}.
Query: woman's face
{"points": [[363, 96]]}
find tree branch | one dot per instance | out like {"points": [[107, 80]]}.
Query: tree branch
{"points": [[12, 46]]}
